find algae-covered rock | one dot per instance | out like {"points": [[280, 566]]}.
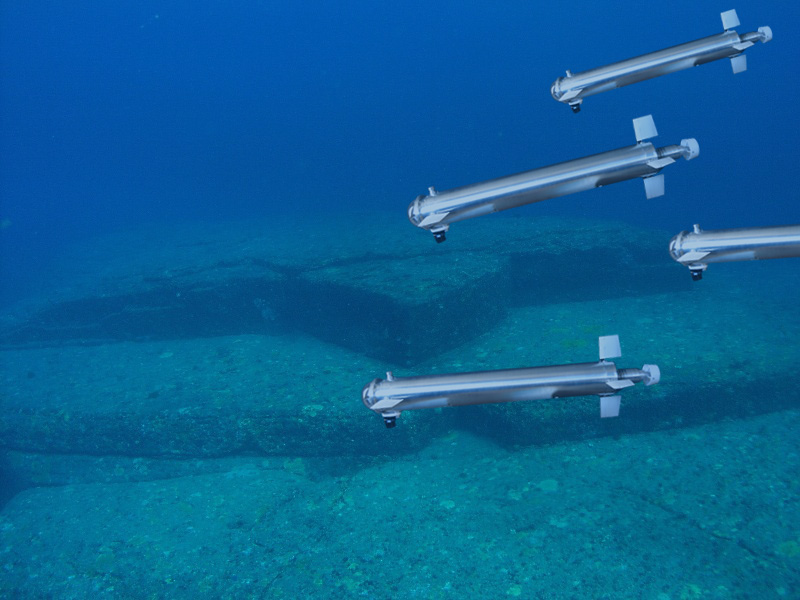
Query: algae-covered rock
{"points": [[257, 339]]}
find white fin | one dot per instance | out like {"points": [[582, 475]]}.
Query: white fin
{"points": [[729, 19], [619, 384], [644, 128], [570, 95], [693, 256], [660, 163], [654, 186], [386, 404], [432, 219], [609, 406], [609, 347], [739, 63]]}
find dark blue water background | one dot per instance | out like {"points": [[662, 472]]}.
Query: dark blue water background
{"points": [[117, 115]]}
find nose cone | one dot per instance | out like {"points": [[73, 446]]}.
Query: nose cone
{"points": [[368, 393], [414, 211], [555, 89]]}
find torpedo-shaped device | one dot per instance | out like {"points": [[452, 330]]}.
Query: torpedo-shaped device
{"points": [[573, 88], [697, 249], [437, 210], [391, 396]]}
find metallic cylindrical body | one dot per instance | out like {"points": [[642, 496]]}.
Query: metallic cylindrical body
{"points": [[486, 387], [533, 186], [728, 245], [574, 87], [647, 66]]}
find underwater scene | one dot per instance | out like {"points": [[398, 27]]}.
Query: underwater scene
{"points": [[230, 367]]}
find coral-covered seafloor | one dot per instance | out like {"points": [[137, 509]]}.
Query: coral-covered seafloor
{"points": [[181, 417]]}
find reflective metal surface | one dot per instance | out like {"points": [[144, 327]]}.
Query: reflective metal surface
{"points": [[437, 210], [573, 88], [390, 396], [698, 248]]}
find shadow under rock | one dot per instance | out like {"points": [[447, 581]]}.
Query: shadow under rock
{"points": [[593, 274], [566, 420], [10, 483]]}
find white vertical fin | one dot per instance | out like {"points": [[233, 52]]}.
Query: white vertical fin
{"points": [[644, 128], [609, 347], [654, 186], [729, 19], [739, 63], [609, 406]]}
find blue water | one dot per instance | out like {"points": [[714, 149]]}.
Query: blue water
{"points": [[204, 256], [116, 115]]}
